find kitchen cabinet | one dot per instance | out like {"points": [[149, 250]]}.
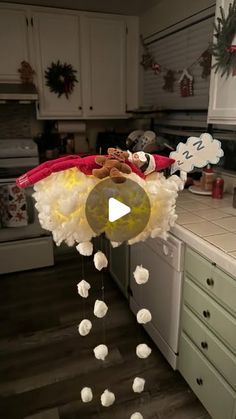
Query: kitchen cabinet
{"points": [[222, 103], [102, 48], [104, 65], [207, 355], [14, 42], [56, 37]]}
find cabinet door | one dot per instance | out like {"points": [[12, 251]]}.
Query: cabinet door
{"points": [[13, 43], [56, 37], [104, 66], [222, 105]]}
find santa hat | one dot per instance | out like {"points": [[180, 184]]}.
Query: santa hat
{"points": [[158, 163]]}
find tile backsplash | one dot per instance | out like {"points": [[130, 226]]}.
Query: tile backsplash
{"points": [[15, 120]]}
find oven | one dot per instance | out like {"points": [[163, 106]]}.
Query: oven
{"points": [[24, 244]]}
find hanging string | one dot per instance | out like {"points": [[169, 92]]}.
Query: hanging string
{"points": [[103, 296], [83, 277]]}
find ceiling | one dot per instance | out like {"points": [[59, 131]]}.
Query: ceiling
{"points": [[126, 7]]}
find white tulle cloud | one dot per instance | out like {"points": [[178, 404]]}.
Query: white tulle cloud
{"points": [[144, 316], [86, 395], [100, 260], [84, 327], [141, 275], [143, 351], [61, 199], [85, 248], [138, 385], [83, 288], [101, 352], [100, 309], [107, 398]]}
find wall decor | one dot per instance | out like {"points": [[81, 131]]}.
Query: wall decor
{"points": [[60, 78], [223, 50], [26, 73], [186, 84]]}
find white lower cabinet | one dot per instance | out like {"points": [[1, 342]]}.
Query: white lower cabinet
{"points": [[207, 354]]}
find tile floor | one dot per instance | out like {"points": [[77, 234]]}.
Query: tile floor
{"points": [[212, 219]]}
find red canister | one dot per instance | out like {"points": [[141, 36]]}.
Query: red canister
{"points": [[218, 188]]}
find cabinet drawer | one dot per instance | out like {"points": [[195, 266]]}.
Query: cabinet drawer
{"points": [[216, 282], [207, 384], [210, 346], [211, 313]]}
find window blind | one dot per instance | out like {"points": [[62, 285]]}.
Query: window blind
{"points": [[176, 52]]}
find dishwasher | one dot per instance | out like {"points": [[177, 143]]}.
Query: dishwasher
{"points": [[162, 293]]}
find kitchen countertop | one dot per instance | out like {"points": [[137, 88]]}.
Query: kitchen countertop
{"points": [[209, 226]]}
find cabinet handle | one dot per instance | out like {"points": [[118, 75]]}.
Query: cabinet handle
{"points": [[27, 21], [206, 314], [91, 108], [80, 108], [210, 282], [204, 345], [32, 22], [199, 381]]}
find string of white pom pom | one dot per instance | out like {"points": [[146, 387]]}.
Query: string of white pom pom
{"points": [[138, 385], [144, 316], [107, 398], [101, 352], [100, 260], [86, 395]]}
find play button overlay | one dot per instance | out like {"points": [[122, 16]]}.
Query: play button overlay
{"points": [[116, 210], [121, 211]]}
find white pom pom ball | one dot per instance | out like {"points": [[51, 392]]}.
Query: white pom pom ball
{"points": [[144, 316], [136, 415], [143, 351], [85, 248], [141, 275], [107, 398], [138, 385], [86, 395], [100, 352], [84, 327], [83, 288], [100, 309], [100, 260]]}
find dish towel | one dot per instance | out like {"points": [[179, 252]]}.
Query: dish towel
{"points": [[13, 206]]}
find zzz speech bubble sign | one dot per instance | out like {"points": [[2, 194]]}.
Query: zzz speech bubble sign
{"points": [[196, 152]]}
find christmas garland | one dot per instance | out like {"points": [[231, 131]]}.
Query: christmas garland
{"points": [[60, 78], [223, 50]]}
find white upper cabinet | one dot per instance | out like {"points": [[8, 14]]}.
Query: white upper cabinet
{"points": [[14, 46], [104, 65], [56, 38], [222, 104]]}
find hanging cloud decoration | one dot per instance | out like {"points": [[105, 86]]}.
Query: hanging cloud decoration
{"points": [[196, 152]]}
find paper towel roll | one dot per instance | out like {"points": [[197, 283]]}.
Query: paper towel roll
{"points": [[71, 126]]}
